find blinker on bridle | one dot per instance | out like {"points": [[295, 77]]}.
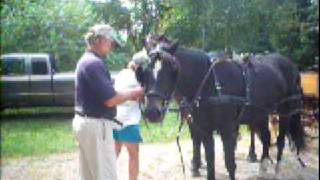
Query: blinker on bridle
{"points": [[156, 55]]}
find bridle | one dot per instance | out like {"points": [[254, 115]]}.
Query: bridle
{"points": [[166, 98], [162, 96]]}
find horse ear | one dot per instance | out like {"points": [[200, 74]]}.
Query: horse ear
{"points": [[173, 47], [163, 38]]}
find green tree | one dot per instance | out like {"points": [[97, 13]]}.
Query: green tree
{"points": [[295, 31], [290, 27], [55, 27]]}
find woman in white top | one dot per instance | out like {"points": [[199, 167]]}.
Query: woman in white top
{"points": [[129, 114]]}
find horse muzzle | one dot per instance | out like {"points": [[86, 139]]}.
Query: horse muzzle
{"points": [[154, 115]]}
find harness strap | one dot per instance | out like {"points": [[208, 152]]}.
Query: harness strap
{"points": [[221, 99], [232, 99], [293, 97], [217, 83], [162, 96], [179, 147], [142, 110], [197, 95], [248, 81], [293, 112], [238, 100]]}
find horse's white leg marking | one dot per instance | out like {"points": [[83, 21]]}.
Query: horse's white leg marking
{"points": [[263, 165], [277, 169]]}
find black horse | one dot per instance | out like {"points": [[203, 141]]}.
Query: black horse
{"points": [[272, 84], [196, 135]]}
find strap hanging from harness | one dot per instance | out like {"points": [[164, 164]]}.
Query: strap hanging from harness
{"points": [[217, 83], [142, 110], [248, 83], [179, 147]]}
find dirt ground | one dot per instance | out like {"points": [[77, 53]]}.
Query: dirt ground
{"points": [[162, 162]]}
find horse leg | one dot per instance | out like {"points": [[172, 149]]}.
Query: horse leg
{"points": [[265, 139], [252, 157], [196, 159], [208, 143], [229, 140], [280, 142]]}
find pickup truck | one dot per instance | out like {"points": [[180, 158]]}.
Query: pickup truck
{"points": [[31, 79]]}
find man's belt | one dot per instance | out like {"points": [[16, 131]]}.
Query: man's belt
{"points": [[99, 117]]}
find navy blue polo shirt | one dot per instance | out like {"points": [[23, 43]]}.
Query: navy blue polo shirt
{"points": [[93, 86]]}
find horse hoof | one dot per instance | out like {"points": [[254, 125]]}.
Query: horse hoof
{"points": [[277, 169], [195, 173], [252, 158], [263, 166], [271, 161], [203, 166]]}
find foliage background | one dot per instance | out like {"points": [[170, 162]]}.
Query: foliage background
{"points": [[290, 27]]}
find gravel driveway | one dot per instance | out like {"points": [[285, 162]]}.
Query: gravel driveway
{"points": [[162, 162]]}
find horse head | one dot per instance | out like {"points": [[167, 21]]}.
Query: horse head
{"points": [[152, 40], [159, 77]]}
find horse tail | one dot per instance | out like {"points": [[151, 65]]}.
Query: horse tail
{"points": [[296, 130]]}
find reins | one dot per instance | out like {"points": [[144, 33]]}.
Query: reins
{"points": [[196, 98], [142, 110], [180, 130]]}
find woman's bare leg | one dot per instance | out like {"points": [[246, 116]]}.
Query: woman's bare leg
{"points": [[118, 148], [133, 150]]}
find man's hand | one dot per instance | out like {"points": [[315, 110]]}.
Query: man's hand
{"points": [[121, 97], [137, 94]]}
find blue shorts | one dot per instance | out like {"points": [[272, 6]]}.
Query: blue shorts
{"points": [[129, 134]]}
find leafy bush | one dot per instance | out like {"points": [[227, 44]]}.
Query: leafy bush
{"points": [[117, 61]]}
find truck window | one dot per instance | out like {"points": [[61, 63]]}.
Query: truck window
{"points": [[12, 66], [39, 66]]}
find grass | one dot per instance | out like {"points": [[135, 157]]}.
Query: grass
{"points": [[36, 138], [29, 132], [165, 132], [43, 131]]}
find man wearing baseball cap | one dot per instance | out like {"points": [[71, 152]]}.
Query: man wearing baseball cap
{"points": [[95, 105]]}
